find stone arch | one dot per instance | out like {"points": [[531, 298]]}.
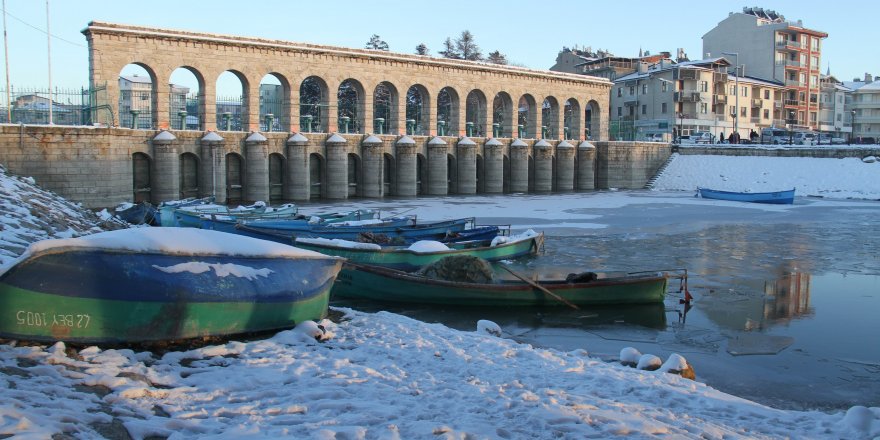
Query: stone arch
{"points": [[186, 106], [447, 112], [451, 174], [475, 113], [234, 178], [421, 174], [389, 175], [314, 105], [276, 177], [350, 104], [571, 119], [385, 108], [502, 115], [189, 175], [232, 109], [316, 175], [550, 118], [355, 175], [418, 105], [527, 117], [141, 170], [592, 120], [138, 100], [274, 111]]}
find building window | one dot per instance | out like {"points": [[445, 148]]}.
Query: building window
{"points": [[663, 86], [663, 106], [766, 94], [632, 91], [704, 86], [619, 111], [619, 92], [704, 108], [839, 117], [815, 45], [766, 113], [733, 90], [814, 80], [813, 117], [644, 109], [803, 78], [733, 110], [814, 62], [644, 89], [742, 112], [745, 91]]}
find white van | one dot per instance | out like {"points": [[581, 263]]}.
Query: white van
{"points": [[804, 138], [697, 137], [774, 136]]}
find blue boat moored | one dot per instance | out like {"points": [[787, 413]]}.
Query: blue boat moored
{"points": [[774, 197]]}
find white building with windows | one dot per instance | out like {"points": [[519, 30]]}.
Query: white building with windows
{"points": [[667, 100], [865, 111]]}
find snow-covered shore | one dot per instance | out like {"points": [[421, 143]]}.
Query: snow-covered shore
{"points": [[382, 375]]}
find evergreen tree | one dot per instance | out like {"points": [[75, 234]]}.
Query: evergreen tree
{"points": [[421, 49], [376, 43], [449, 50], [497, 58], [467, 48]]}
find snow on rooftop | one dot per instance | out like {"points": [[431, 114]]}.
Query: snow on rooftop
{"points": [[466, 141], [371, 140]]}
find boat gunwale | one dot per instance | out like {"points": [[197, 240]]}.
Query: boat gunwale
{"points": [[699, 188], [537, 239]]}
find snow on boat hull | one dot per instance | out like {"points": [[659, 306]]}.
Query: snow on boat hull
{"points": [[87, 295], [775, 197]]}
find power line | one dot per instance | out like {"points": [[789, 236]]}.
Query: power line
{"points": [[41, 30]]}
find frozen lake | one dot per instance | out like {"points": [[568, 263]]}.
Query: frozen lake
{"points": [[786, 297]]}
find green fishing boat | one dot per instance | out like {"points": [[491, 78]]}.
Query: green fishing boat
{"points": [[409, 258], [384, 284]]}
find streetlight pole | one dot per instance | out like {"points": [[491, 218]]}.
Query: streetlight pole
{"points": [[852, 123], [736, 86]]}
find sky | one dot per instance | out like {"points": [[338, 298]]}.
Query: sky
{"points": [[385, 376], [529, 33]]}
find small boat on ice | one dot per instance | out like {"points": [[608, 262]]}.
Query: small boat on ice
{"points": [[384, 284], [424, 252], [773, 197], [160, 284]]}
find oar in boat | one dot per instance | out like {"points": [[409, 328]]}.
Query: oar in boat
{"points": [[541, 288]]}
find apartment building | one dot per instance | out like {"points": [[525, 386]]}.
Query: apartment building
{"points": [[835, 105], [669, 99], [768, 46], [865, 112]]}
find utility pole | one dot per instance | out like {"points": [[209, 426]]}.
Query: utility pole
{"points": [[736, 86], [6, 56], [49, 55]]}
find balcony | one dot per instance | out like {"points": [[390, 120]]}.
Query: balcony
{"points": [[719, 99], [684, 74], [719, 77], [793, 83], [630, 101], [788, 45], [792, 102], [757, 102], [688, 96], [788, 63]]}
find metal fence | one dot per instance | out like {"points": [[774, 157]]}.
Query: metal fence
{"points": [[32, 105]]}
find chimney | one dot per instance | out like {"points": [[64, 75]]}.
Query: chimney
{"points": [[643, 67], [867, 77]]}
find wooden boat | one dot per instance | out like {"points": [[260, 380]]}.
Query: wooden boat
{"points": [[424, 252], [158, 284], [166, 209], [396, 227], [141, 213], [225, 223], [384, 239], [774, 197], [194, 218], [384, 284]]}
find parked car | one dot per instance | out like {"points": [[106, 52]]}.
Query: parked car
{"points": [[829, 139], [655, 137], [775, 136], [804, 138], [697, 137]]}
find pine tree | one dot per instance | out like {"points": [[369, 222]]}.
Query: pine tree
{"points": [[421, 49], [449, 50], [376, 43], [497, 58], [467, 47]]}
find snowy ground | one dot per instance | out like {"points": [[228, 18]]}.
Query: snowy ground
{"points": [[386, 376]]}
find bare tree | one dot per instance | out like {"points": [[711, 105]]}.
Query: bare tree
{"points": [[421, 49], [497, 58], [376, 43]]}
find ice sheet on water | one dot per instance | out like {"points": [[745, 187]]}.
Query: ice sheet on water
{"points": [[744, 344]]}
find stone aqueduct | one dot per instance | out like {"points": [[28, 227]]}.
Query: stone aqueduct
{"points": [[301, 165]]}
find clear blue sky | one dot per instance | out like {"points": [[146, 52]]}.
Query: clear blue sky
{"points": [[530, 33]]}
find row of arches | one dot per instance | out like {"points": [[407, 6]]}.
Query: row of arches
{"points": [[192, 176], [311, 106]]}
